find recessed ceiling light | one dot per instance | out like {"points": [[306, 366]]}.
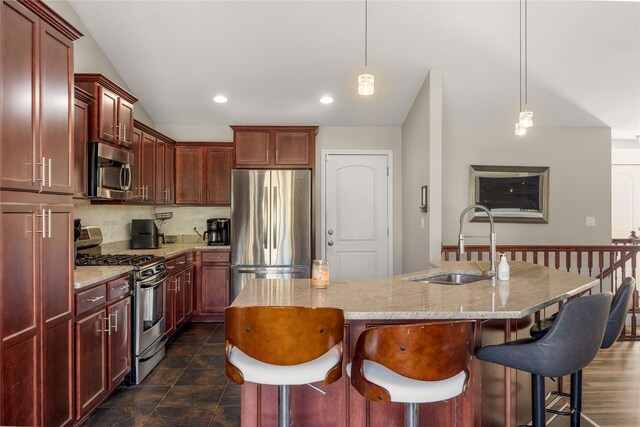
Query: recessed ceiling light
{"points": [[326, 100], [220, 99]]}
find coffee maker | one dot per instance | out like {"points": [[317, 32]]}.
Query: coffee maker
{"points": [[217, 232]]}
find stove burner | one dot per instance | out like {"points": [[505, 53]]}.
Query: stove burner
{"points": [[85, 259]]}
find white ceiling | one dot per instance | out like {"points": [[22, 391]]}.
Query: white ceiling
{"points": [[274, 60]]}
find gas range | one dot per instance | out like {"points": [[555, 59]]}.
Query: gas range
{"points": [[112, 260]]}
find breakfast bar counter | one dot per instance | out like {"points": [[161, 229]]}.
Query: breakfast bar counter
{"points": [[503, 311]]}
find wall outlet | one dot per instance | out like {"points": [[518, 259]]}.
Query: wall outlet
{"points": [[590, 221]]}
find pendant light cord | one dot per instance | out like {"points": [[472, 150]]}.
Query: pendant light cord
{"points": [[520, 63], [366, 16], [526, 55]]}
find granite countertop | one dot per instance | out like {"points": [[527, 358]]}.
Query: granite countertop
{"points": [[87, 276], [530, 288]]}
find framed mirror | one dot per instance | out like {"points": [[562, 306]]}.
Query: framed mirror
{"points": [[511, 193]]}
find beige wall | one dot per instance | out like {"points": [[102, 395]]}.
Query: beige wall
{"points": [[89, 58], [579, 182], [197, 133], [359, 138], [422, 165]]}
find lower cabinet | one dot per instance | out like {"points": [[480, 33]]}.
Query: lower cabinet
{"points": [[212, 285], [103, 342], [179, 292]]}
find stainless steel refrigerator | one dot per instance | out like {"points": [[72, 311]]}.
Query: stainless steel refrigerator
{"points": [[270, 225]]}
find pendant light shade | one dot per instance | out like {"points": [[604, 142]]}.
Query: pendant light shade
{"points": [[365, 84], [365, 81], [520, 130], [526, 118]]}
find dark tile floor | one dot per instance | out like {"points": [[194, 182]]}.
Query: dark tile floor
{"points": [[188, 388]]}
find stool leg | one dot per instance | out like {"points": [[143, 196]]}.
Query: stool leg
{"points": [[284, 406], [575, 401], [411, 415], [537, 400]]}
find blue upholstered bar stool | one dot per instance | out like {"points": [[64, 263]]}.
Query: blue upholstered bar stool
{"points": [[570, 344], [615, 323], [412, 364], [283, 346]]}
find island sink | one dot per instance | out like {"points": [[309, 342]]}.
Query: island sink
{"points": [[451, 278]]}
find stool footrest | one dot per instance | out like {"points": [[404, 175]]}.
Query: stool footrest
{"points": [[563, 413], [560, 393]]}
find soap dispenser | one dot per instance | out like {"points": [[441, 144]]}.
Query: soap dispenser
{"points": [[503, 268]]}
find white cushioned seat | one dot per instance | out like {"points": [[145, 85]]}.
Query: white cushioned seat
{"points": [[407, 390], [265, 373]]}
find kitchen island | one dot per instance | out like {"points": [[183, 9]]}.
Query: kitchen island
{"points": [[502, 313]]}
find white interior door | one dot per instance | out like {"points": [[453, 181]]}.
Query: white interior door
{"points": [[625, 200], [356, 215]]}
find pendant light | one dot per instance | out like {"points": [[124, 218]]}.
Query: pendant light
{"points": [[525, 118], [365, 81]]}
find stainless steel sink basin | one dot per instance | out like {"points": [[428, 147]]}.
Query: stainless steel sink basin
{"points": [[451, 278]]}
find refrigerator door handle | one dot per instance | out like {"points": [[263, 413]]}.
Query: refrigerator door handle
{"points": [[275, 220], [258, 271], [265, 214]]}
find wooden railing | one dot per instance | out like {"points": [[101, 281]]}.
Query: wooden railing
{"points": [[610, 264]]}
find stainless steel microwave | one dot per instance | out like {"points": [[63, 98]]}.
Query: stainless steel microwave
{"points": [[109, 172]]}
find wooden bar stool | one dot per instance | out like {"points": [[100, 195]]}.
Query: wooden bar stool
{"points": [[283, 346], [412, 364]]}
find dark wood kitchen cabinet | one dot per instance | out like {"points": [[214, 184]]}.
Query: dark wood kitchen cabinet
{"points": [[203, 173], [178, 292], [81, 103], [36, 157], [36, 54], [277, 147], [153, 170], [212, 285], [103, 342], [112, 112], [36, 309]]}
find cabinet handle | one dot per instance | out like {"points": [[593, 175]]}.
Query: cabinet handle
{"points": [[115, 321], [49, 165], [146, 192], [93, 299], [170, 267], [108, 326], [188, 277], [178, 279], [43, 166], [121, 287], [49, 228], [45, 233], [182, 262]]}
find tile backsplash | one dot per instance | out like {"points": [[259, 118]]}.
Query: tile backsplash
{"points": [[115, 221]]}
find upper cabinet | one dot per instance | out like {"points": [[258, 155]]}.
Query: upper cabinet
{"points": [[112, 115], [82, 102], [36, 54], [274, 146], [152, 171], [203, 173]]}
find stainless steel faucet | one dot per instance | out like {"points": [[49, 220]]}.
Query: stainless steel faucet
{"points": [[492, 237]]}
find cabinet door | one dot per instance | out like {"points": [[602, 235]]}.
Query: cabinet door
{"points": [[252, 148], [148, 169], [189, 176], [56, 96], [218, 176], [125, 123], [19, 42], [136, 169], [107, 117], [19, 304], [170, 305], [180, 298], [169, 175], [119, 342], [188, 295], [80, 141], [57, 364], [292, 148], [160, 184], [214, 289], [91, 382]]}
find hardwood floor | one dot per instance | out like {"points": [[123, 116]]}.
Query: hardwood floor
{"points": [[611, 386]]}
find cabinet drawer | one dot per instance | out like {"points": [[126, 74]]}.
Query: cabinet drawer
{"points": [[171, 266], [181, 262], [89, 299], [118, 287], [215, 256], [189, 260]]}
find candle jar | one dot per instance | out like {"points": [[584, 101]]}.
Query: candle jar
{"points": [[320, 273]]}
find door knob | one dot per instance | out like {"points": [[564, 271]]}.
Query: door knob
{"points": [[330, 243], [330, 232]]}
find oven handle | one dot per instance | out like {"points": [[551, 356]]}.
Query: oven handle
{"points": [[160, 345], [155, 284]]}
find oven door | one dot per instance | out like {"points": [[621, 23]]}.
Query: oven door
{"points": [[150, 312]]}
